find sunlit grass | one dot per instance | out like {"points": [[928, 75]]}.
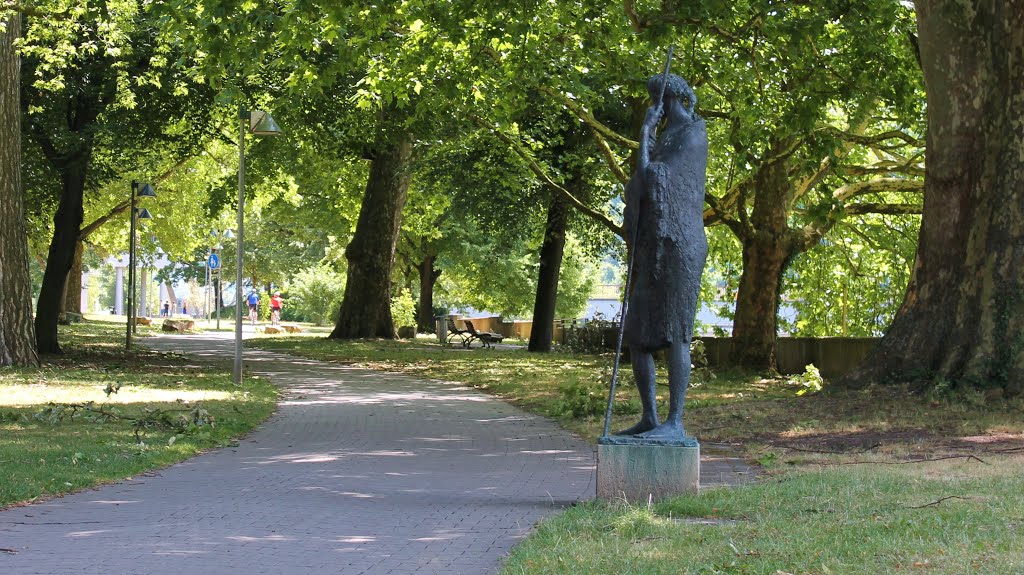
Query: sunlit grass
{"points": [[734, 407], [84, 386], [942, 518], [39, 458]]}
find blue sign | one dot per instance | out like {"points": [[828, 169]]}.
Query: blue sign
{"points": [[213, 262]]}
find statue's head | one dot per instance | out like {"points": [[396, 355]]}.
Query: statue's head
{"points": [[676, 88]]}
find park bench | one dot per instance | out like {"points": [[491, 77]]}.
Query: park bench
{"points": [[454, 333], [485, 337]]}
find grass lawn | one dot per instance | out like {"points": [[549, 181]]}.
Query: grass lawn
{"points": [[41, 457], [881, 480], [939, 517]]}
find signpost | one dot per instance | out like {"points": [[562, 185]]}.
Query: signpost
{"points": [[213, 274]]}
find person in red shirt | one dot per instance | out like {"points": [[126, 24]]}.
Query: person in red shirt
{"points": [[276, 303]]}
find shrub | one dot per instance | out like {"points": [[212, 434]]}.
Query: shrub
{"points": [[403, 309], [589, 397], [809, 381], [597, 335], [316, 292]]}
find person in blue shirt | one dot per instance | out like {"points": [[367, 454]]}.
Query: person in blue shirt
{"points": [[254, 306]]}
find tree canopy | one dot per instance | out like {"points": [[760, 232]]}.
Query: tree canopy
{"points": [[433, 139]]}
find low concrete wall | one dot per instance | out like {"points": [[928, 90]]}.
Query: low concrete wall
{"points": [[833, 356]]}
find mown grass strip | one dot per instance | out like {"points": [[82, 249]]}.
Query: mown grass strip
{"points": [[760, 414], [848, 521]]}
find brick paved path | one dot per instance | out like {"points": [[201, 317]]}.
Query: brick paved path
{"points": [[358, 472]]}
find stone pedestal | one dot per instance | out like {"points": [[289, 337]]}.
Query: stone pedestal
{"points": [[638, 470]]}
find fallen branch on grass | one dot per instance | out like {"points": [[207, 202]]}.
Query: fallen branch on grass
{"points": [[937, 501], [909, 462], [181, 420], [826, 451], [1009, 450]]}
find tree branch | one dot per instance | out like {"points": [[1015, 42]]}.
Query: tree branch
{"points": [[889, 209], [910, 168], [937, 501], [629, 7], [827, 165], [855, 189], [542, 175], [589, 119], [120, 208], [715, 214], [865, 140], [609, 158]]}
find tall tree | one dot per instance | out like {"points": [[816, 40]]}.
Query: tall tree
{"points": [[807, 134], [803, 133], [962, 318], [551, 252], [98, 91], [17, 333], [71, 158], [366, 309]]}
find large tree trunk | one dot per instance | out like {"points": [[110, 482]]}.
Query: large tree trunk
{"points": [[425, 307], [17, 334], [962, 318], [60, 259], [755, 326], [551, 252], [767, 247], [73, 285], [366, 307]]}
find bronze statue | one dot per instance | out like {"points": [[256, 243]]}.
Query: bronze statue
{"points": [[664, 220]]}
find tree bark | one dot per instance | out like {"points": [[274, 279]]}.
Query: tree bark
{"points": [[366, 307], [17, 334], [73, 285], [425, 306], [61, 256], [962, 317], [767, 249], [757, 303], [551, 252]]}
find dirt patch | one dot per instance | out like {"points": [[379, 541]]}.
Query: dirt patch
{"points": [[911, 441]]}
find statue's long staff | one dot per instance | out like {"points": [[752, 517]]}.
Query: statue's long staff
{"points": [[629, 278]]}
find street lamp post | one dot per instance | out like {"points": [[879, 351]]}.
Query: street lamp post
{"points": [[257, 123], [139, 190]]}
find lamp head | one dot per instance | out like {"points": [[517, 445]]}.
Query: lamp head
{"points": [[261, 124], [143, 190], [143, 214]]}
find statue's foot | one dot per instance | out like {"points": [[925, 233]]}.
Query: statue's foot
{"points": [[641, 427], [670, 431]]}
